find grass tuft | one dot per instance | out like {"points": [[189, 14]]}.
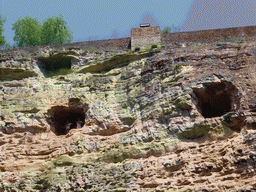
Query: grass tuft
{"points": [[60, 72]]}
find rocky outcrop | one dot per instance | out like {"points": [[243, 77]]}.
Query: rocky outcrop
{"points": [[176, 117]]}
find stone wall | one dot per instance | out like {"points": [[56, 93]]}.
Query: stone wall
{"points": [[212, 35], [144, 36], [106, 45], [122, 44]]}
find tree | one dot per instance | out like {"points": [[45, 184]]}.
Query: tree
{"points": [[169, 29], [27, 32], [176, 29], [2, 37], [166, 30], [55, 31]]}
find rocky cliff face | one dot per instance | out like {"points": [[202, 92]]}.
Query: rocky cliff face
{"points": [[182, 116]]}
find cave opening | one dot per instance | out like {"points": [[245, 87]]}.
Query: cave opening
{"points": [[137, 49], [54, 64], [215, 99], [59, 63], [63, 118]]}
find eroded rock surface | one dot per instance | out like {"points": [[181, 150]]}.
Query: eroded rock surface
{"points": [[181, 118]]}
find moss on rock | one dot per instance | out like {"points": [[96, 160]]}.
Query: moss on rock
{"points": [[197, 130], [8, 74]]}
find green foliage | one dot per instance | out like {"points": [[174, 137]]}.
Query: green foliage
{"points": [[236, 40], [2, 38], [27, 32], [197, 130], [59, 62], [221, 130], [14, 74], [176, 68], [22, 184], [166, 30], [175, 29], [55, 31], [113, 54], [94, 50], [198, 45], [42, 183], [8, 46], [63, 160], [80, 147], [60, 72], [232, 41], [169, 29], [147, 48]]}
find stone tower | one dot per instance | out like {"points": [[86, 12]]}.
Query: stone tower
{"points": [[145, 35]]}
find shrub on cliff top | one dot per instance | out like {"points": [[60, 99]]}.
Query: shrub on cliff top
{"points": [[2, 38], [55, 31], [169, 29], [29, 32]]}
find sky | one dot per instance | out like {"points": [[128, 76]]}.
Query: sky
{"points": [[108, 19]]}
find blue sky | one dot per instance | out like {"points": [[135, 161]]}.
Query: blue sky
{"points": [[106, 19]]}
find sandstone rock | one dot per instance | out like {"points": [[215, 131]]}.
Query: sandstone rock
{"points": [[169, 119], [234, 120]]}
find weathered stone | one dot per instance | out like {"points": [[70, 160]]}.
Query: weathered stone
{"points": [[151, 119]]}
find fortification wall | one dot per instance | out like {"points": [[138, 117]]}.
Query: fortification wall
{"points": [[122, 44], [211, 35], [106, 45], [144, 36]]}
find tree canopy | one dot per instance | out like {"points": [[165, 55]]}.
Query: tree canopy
{"points": [[169, 29], [2, 37], [166, 30], [29, 31], [55, 31]]}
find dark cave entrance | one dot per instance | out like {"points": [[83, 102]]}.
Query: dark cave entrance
{"points": [[64, 118], [54, 64], [59, 63], [215, 99]]}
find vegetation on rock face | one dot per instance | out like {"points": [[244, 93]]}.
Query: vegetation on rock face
{"points": [[177, 68], [88, 159], [221, 130], [94, 50], [58, 64], [15, 74], [60, 72], [197, 130]]}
